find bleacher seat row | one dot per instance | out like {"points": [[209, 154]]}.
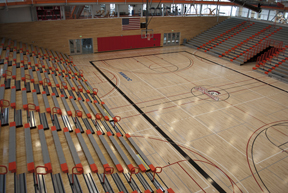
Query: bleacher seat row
{"points": [[237, 40], [44, 77]]}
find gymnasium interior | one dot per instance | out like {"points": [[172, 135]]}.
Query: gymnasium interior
{"points": [[134, 96]]}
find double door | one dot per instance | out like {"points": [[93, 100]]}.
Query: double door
{"points": [[81, 46], [171, 39]]}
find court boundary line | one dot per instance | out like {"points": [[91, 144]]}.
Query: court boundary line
{"points": [[172, 143], [184, 51]]}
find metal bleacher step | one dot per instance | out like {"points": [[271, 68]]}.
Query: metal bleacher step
{"points": [[155, 182], [131, 152], [59, 150], [90, 183], [88, 125], [12, 148], [72, 148], [43, 120], [29, 149], [45, 152], [120, 151], [66, 122], [18, 118], [119, 183], [86, 151], [78, 124], [110, 152], [132, 183], [143, 156], [106, 184], [46, 103], [3, 183], [97, 149], [57, 182], [31, 119], [143, 181], [20, 185]]}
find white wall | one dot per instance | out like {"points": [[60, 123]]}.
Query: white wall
{"points": [[14, 15]]}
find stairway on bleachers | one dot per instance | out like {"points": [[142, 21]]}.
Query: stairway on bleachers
{"points": [[274, 63], [52, 120], [238, 40]]}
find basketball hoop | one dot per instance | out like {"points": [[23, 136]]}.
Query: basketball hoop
{"points": [[149, 33], [148, 36]]}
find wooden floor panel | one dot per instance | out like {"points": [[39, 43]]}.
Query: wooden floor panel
{"points": [[217, 130], [250, 118]]}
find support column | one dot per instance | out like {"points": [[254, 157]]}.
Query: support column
{"points": [[117, 7]]}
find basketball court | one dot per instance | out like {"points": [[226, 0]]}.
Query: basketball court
{"points": [[229, 122]]}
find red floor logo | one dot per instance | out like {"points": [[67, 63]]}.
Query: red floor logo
{"points": [[211, 94]]}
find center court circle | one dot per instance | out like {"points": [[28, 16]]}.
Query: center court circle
{"points": [[211, 93]]}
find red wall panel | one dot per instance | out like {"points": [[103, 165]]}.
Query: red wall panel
{"points": [[126, 42]]}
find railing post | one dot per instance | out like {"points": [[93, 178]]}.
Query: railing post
{"points": [[155, 172], [133, 172], [110, 171], [30, 104], [36, 183], [6, 170], [78, 167]]}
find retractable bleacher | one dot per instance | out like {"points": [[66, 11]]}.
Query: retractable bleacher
{"points": [[57, 162]]}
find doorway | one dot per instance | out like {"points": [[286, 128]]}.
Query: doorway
{"points": [[171, 39], [81, 46]]}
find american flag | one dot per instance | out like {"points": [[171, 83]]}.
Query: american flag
{"points": [[131, 24]]}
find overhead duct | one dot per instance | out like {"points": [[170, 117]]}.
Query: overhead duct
{"points": [[248, 6]]}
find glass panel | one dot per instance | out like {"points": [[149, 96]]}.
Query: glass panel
{"points": [[112, 9], [130, 10], [169, 38], [71, 44], [173, 38], [235, 10], [209, 10], [86, 11], [224, 10], [177, 38], [243, 13], [264, 14], [87, 46], [194, 9], [78, 46], [164, 40], [272, 15]]}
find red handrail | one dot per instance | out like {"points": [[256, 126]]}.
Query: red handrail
{"points": [[81, 73], [2, 104], [25, 77], [46, 80], [81, 172], [95, 91], [111, 171], [30, 104], [58, 110], [5, 74], [80, 88], [2, 166], [76, 111], [134, 172], [36, 183], [98, 116], [63, 84], [155, 172], [117, 119]]}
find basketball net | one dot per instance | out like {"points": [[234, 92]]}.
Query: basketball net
{"points": [[148, 36]]}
